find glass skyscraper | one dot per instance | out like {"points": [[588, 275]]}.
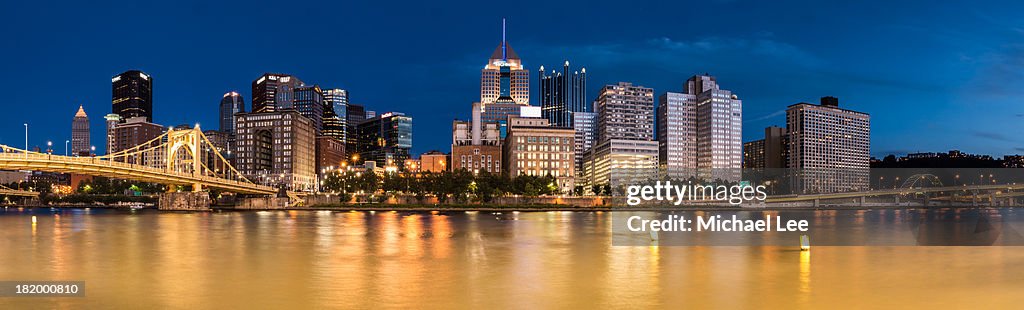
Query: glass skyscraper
{"points": [[132, 95], [562, 94]]}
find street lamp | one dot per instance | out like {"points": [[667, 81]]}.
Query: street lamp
{"points": [[49, 147], [92, 148], [66, 147]]}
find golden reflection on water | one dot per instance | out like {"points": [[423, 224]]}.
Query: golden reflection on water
{"points": [[322, 259]]}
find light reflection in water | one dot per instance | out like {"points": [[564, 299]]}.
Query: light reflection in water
{"points": [[322, 259]]}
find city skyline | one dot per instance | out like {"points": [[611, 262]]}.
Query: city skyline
{"points": [[772, 65]]}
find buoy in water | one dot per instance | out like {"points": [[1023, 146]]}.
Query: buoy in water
{"points": [[805, 243], [33, 219]]}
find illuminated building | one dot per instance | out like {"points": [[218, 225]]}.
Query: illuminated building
{"points": [[534, 147], [80, 133], [829, 147], [272, 91], [330, 153], [309, 101], [625, 153], [700, 131], [386, 138], [434, 161], [277, 148], [132, 95], [231, 104], [336, 103], [562, 94], [476, 145]]}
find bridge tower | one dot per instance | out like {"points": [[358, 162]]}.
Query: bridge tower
{"points": [[189, 140]]}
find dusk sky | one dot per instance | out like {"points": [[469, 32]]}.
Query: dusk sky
{"points": [[932, 77]]}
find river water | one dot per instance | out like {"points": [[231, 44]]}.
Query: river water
{"points": [[326, 259]]}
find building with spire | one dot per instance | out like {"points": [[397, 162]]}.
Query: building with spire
{"points": [[562, 94], [504, 85], [80, 133]]}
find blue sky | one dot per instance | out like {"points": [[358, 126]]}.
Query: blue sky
{"points": [[933, 77]]}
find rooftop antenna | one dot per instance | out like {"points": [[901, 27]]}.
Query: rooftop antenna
{"points": [[504, 46]]}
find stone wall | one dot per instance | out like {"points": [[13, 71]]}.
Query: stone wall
{"points": [[184, 201], [263, 203]]}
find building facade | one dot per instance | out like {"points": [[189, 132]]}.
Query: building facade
{"points": [[80, 144], [829, 147], [330, 154], [136, 132], [620, 163], [386, 138], [273, 91], [356, 115], [230, 104], [112, 120], [584, 135], [677, 135], [719, 130], [434, 161], [336, 102], [132, 95], [277, 148], [309, 101], [533, 147], [625, 112], [562, 94]]}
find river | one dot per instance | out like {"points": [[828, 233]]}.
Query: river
{"points": [[329, 259]]}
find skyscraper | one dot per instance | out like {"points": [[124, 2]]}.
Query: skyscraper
{"points": [[309, 101], [112, 120], [504, 85], [625, 153], [356, 115], [677, 135], [273, 91], [232, 103], [386, 138], [719, 130], [625, 112], [562, 94], [583, 125], [829, 147], [132, 95], [699, 131], [503, 78], [336, 100], [80, 133]]}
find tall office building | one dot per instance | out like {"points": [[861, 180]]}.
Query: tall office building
{"points": [[80, 133], [386, 138], [309, 101], [356, 115], [768, 153], [277, 148], [336, 100], [677, 135], [231, 104], [829, 147], [112, 120], [334, 127], [625, 112], [625, 153], [534, 147], [584, 138], [700, 132], [504, 85], [503, 78], [132, 95], [273, 91], [562, 94]]}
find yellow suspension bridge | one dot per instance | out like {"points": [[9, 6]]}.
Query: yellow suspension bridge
{"points": [[176, 158]]}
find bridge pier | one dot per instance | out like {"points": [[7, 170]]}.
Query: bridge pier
{"points": [[184, 201]]}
